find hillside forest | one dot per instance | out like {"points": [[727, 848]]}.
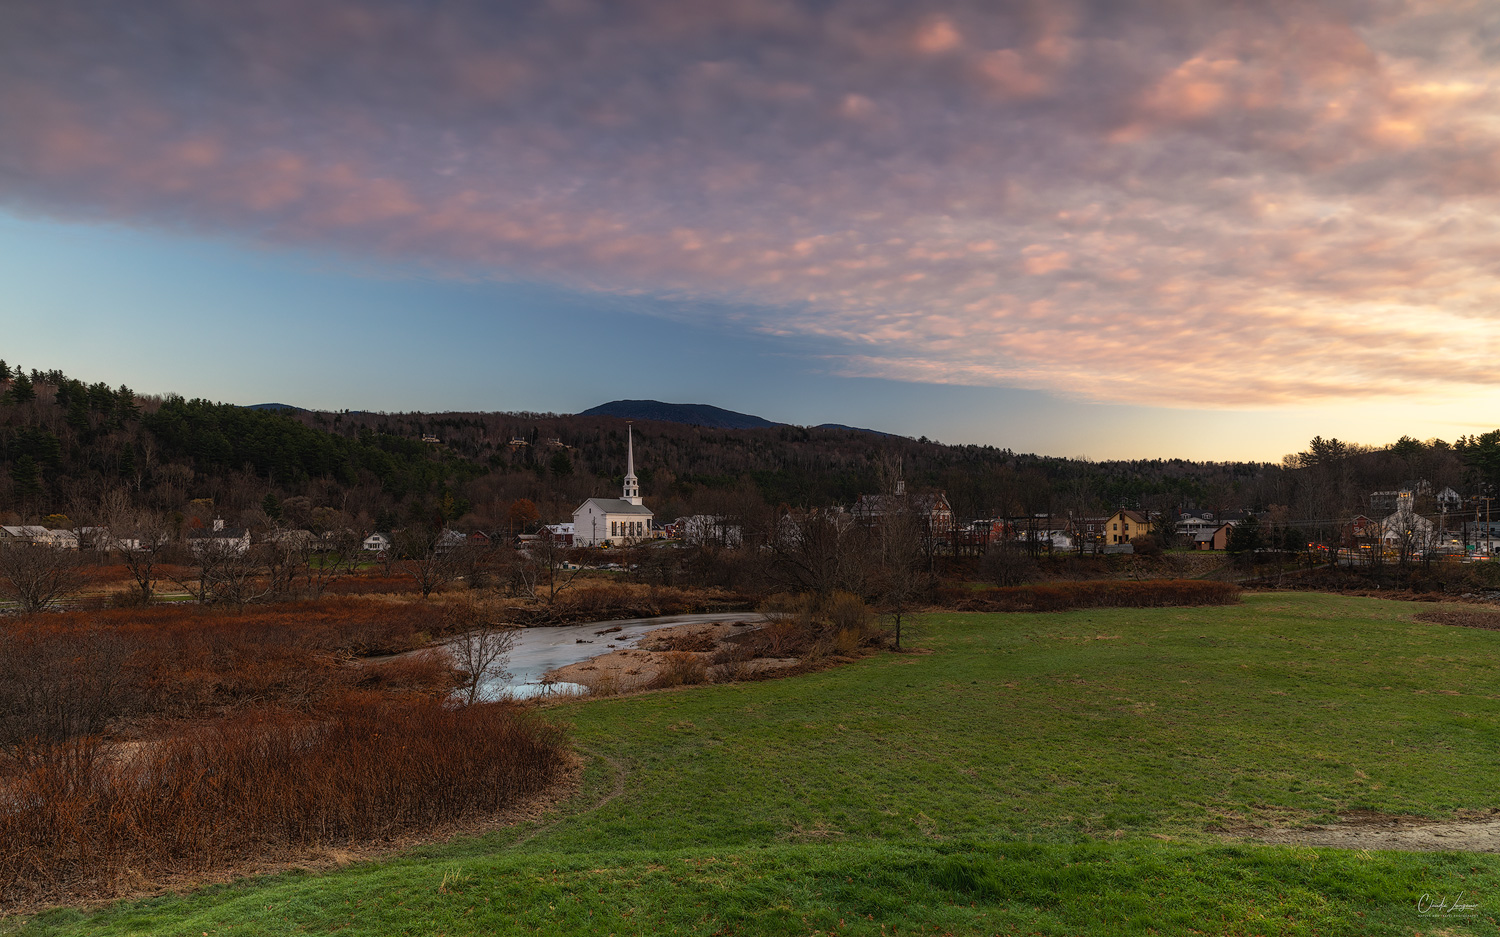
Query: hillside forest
{"points": [[66, 444]]}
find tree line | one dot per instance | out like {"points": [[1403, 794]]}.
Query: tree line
{"points": [[65, 444]]}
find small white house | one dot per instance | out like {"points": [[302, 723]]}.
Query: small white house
{"points": [[219, 540], [700, 529], [1406, 529], [377, 543]]}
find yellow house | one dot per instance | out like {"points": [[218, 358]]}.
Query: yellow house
{"points": [[1122, 525]]}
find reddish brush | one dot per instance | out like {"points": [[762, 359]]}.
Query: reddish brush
{"points": [[1054, 597], [70, 674], [79, 814]]}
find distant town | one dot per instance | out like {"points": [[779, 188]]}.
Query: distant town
{"points": [[93, 469]]}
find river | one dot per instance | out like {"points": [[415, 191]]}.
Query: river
{"points": [[538, 651]]}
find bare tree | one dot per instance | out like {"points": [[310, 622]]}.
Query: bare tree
{"points": [[139, 535], [1006, 562], [429, 557], [284, 556], [328, 558], [36, 577], [555, 571], [522, 573], [227, 574], [900, 578], [482, 652], [821, 552]]}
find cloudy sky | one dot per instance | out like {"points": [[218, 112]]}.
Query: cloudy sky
{"points": [[1178, 228]]}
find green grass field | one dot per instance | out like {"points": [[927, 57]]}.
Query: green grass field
{"points": [[1054, 774]]}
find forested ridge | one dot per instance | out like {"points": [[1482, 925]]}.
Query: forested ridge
{"points": [[65, 442]]}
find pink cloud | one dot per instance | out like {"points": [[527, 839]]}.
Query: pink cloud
{"points": [[1262, 205]]}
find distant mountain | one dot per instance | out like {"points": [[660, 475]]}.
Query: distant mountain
{"points": [[693, 414], [698, 414], [856, 429], [276, 406]]}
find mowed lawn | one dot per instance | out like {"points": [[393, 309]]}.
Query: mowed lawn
{"points": [[1060, 773]]}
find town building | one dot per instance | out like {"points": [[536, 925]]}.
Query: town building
{"points": [[1213, 538], [615, 521], [1407, 530], [1124, 525], [931, 508], [25, 533], [1089, 533], [559, 534]]}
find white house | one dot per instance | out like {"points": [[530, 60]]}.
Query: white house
{"points": [[25, 533], [377, 543], [700, 529], [614, 520], [1406, 529], [1191, 525], [219, 540]]}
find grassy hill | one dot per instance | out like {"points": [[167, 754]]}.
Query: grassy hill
{"points": [[1043, 773]]}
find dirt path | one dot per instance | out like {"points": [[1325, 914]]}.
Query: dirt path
{"points": [[1365, 830], [617, 787]]}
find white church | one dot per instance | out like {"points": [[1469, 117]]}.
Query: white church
{"points": [[616, 521]]}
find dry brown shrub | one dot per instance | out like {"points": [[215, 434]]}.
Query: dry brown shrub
{"points": [[782, 607], [689, 641], [784, 638], [848, 612], [680, 668], [731, 670], [1463, 618], [429, 673], [740, 647], [604, 683], [847, 641]]}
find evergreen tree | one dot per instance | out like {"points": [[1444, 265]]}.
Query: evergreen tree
{"points": [[1244, 537], [127, 461], [21, 389], [78, 413], [271, 505], [125, 406], [26, 477]]}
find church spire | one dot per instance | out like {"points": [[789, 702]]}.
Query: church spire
{"points": [[632, 487]]}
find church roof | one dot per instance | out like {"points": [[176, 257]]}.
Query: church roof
{"points": [[617, 506]]}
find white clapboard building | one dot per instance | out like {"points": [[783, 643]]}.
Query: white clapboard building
{"points": [[614, 521]]}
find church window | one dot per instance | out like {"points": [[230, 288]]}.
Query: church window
{"points": [[614, 528]]}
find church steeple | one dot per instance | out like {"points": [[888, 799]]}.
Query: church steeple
{"points": [[632, 487]]}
